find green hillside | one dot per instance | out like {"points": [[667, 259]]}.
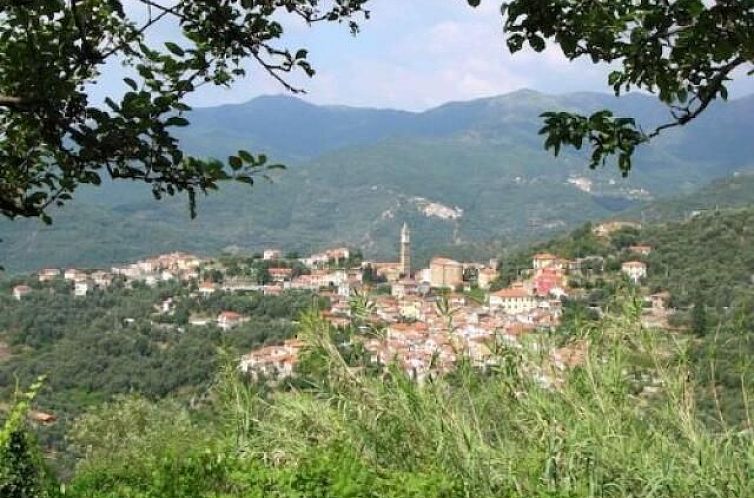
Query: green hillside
{"points": [[710, 255], [355, 175], [607, 430], [732, 191], [707, 264], [705, 258]]}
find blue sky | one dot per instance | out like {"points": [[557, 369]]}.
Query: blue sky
{"points": [[412, 54]]}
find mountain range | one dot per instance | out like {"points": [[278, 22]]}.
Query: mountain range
{"points": [[466, 176]]}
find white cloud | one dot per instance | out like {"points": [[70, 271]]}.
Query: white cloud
{"points": [[414, 54]]}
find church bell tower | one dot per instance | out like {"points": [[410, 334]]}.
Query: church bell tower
{"points": [[405, 251]]}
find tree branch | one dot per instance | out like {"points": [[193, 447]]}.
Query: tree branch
{"points": [[705, 96], [13, 102]]}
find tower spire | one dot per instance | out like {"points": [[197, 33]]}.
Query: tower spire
{"points": [[405, 251]]}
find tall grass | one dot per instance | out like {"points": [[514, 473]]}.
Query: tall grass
{"points": [[622, 424]]}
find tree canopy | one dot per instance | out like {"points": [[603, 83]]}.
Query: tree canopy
{"points": [[54, 138], [684, 51]]}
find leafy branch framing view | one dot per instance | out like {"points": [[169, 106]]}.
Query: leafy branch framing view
{"points": [[55, 139]]}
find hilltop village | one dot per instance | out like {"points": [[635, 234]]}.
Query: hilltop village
{"points": [[427, 318]]}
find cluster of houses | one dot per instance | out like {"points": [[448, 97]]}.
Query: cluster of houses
{"points": [[426, 331], [150, 271], [162, 268], [427, 321], [82, 281]]}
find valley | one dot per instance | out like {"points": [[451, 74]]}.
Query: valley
{"points": [[355, 174]]}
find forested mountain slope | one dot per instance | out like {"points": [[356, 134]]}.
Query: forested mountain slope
{"points": [[732, 191], [706, 258], [463, 173]]}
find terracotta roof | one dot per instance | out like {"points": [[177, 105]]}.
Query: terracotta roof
{"points": [[444, 261], [511, 293], [405, 327], [230, 315], [634, 264], [42, 417]]}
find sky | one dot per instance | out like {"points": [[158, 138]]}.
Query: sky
{"points": [[411, 54]]}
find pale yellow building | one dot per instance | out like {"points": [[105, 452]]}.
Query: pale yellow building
{"points": [[608, 228], [485, 277], [543, 260], [445, 272], [513, 300]]}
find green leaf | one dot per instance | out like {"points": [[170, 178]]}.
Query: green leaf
{"points": [[246, 156], [537, 43], [130, 82], [177, 121], [235, 162], [175, 49]]}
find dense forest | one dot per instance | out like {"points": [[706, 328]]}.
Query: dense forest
{"points": [[116, 342]]}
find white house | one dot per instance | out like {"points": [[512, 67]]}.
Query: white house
{"points": [[167, 305], [543, 260], [513, 301], [229, 319], [75, 275], [207, 288], [81, 289], [102, 279], [636, 270], [21, 291], [48, 274], [272, 254]]}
